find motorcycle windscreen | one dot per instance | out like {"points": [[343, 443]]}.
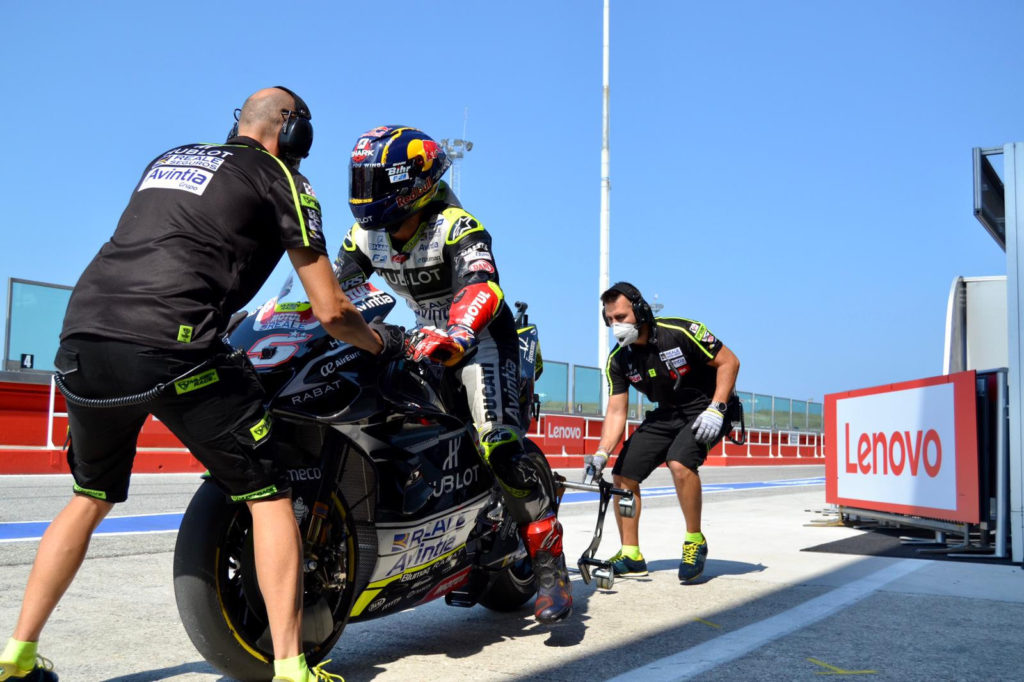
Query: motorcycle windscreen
{"points": [[406, 391], [370, 301]]}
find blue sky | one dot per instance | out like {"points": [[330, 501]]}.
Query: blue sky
{"points": [[794, 174]]}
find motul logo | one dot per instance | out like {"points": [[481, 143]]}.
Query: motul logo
{"points": [[895, 453], [478, 300]]}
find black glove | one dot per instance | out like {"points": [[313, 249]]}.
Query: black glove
{"points": [[392, 336]]}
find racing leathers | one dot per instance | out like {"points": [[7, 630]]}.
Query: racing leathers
{"points": [[449, 260], [447, 274]]}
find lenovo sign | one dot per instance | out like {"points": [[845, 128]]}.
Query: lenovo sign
{"points": [[564, 433], [907, 448]]}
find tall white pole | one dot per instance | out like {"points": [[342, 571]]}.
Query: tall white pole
{"points": [[606, 187]]}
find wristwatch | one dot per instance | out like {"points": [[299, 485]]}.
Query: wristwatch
{"points": [[721, 407]]}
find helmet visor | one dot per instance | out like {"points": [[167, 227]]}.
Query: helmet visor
{"points": [[368, 183]]}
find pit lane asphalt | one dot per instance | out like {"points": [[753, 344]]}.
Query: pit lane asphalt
{"points": [[763, 611]]}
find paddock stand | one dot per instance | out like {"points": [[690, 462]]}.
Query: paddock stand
{"points": [[627, 507]]}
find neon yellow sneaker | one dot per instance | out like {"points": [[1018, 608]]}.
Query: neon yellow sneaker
{"points": [[42, 672], [316, 674], [692, 564], [625, 567]]}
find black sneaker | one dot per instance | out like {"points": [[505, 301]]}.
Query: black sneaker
{"points": [[626, 567], [554, 598], [692, 564], [42, 672]]}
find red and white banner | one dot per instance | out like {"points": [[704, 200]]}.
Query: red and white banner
{"points": [[564, 433], [907, 448]]}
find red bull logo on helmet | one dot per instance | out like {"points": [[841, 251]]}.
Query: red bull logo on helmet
{"points": [[416, 192], [424, 149]]}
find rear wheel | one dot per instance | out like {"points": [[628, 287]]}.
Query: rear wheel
{"points": [[218, 596], [511, 588], [515, 584], [549, 481]]}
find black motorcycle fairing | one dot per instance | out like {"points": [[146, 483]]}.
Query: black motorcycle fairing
{"points": [[410, 388], [336, 387], [308, 373], [395, 504], [421, 466]]}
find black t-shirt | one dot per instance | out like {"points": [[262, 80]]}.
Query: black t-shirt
{"points": [[678, 347], [205, 227]]}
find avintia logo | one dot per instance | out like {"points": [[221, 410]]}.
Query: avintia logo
{"points": [[178, 174], [172, 177]]}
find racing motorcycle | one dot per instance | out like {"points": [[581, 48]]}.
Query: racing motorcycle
{"points": [[394, 502]]}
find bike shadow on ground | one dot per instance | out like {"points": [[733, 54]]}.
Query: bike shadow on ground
{"points": [[166, 673], [456, 633]]}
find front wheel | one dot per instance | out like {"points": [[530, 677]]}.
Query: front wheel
{"points": [[218, 595]]}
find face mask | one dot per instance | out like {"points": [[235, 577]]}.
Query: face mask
{"points": [[626, 333]]}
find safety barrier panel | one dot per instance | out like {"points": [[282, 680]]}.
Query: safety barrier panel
{"points": [[33, 424]]}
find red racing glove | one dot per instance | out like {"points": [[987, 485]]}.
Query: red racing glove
{"points": [[431, 343]]}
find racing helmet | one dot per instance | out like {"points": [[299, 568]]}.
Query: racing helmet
{"points": [[394, 172]]}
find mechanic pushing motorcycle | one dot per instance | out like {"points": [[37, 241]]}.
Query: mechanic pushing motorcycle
{"points": [[411, 229]]}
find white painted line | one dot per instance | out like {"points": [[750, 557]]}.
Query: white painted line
{"points": [[96, 537], [703, 657]]}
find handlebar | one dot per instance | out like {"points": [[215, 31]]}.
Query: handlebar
{"points": [[598, 488]]}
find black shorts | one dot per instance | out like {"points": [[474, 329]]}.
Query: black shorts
{"points": [[217, 412], [664, 435]]}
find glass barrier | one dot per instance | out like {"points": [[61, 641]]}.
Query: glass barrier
{"points": [[748, 406], [35, 315], [782, 419], [636, 404], [553, 387], [762, 417], [586, 390], [799, 413], [815, 420]]}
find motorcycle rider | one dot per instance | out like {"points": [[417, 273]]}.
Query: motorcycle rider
{"points": [[411, 229], [205, 226]]}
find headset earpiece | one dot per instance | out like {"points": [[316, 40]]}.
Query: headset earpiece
{"points": [[641, 310], [296, 136], [234, 128]]}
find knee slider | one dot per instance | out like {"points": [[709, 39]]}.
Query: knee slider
{"points": [[499, 440], [503, 452]]}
